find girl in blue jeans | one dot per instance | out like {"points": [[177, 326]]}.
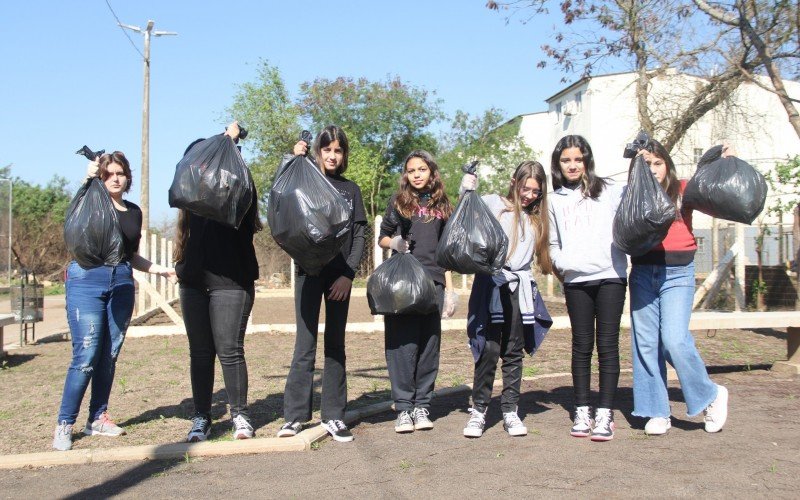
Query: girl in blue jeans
{"points": [[662, 287], [99, 307]]}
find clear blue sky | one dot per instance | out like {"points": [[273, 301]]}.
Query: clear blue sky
{"points": [[70, 76]]}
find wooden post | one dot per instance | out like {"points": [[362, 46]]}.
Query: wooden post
{"points": [[792, 364], [142, 302], [714, 242], [170, 286], [738, 274], [153, 278], [163, 284]]}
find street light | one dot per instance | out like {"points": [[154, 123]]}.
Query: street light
{"points": [[145, 182], [10, 203]]}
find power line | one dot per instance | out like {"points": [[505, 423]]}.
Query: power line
{"points": [[119, 23]]}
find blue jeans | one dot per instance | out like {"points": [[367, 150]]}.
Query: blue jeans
{"points": [[661, 305], [99, 307]]}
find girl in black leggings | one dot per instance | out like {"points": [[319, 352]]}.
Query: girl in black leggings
{"points": [[593, 271]]}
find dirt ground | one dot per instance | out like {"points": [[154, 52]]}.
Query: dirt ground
{"points": [[151, 397], [756, 455]]}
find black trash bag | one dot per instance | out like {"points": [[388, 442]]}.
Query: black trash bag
{"points": [[645, 213], [726, 188], [473, 241], [91, 227], [308, 217], [401, 286], [212, 181]]}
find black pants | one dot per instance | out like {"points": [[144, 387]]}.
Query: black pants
{"points": [[412, 355], [504, 341], [297, 396], [586, 304], [215, 324]]}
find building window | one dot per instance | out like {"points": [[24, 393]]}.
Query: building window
{"points": [[698, 153], [558, 112], [701, 244], [579, 101]]}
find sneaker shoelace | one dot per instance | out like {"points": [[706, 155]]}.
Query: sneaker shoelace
{"points": [[512, 419], [64, 428], [582, 416], [241, 423], [603, 420], [405, 418], [338, 425], [198, 424], [476, 419], [421, 413]]}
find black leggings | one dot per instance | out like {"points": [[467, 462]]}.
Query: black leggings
{"points": [[586, 304], [216, 321]]}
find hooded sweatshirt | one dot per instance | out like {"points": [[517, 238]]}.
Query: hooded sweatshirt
{"points": [[581, 243]]}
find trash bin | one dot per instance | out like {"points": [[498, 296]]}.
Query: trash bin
{"points": [[27, 305]]}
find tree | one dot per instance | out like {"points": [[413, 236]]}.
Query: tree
{"points": [[272, 120], [653, 38], [488, 138], [38, 229], [388, 119], [773, 29]]}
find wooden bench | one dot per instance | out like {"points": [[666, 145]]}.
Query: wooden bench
{"points": [[5, 320]]}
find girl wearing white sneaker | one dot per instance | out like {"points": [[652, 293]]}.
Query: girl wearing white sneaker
{"points": [[593, 271], [506, 314], [414, 221], [662, 285]]}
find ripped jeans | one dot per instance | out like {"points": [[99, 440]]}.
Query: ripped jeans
{"points": [[99, 307]]}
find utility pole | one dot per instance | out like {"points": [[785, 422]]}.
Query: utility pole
{"points": [[145, 173]]}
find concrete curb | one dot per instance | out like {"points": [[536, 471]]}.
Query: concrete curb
{"points": [[301, 442]]}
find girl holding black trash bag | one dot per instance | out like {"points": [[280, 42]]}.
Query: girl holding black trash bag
{"points": [[414, 220], [593, 272], [99, 306], [662, 285], [217, 268], [333, 283], [507, 316]]}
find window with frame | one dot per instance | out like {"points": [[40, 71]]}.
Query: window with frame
{"points": [[579, 101], [698, 153], [701, 244], [559, 109]]}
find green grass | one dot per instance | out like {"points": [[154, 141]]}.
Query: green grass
{"points": [[56, 289], [530, 371]]}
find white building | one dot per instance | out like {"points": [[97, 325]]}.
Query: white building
{"points": [[603, 110]]}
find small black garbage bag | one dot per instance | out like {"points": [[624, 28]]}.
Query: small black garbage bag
{"points": [[91, 227], [308, 217], [726, 188], [212, 181], [645, 213], [401, 286], [473, 241]]}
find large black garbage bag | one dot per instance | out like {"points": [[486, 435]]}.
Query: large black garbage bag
{"points": [[308, 217], [91, 227], [645, 213], [401, 286], [726, 188], [212, 181], [473, 241]]}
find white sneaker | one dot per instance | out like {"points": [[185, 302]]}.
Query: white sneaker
{"points": [[422, 421], [404, 422], [603, 425], [62, 437], [657, 426], [290, 429], [513, 425], [475, 424], [582, 425], [338, 430], [242, 428], [717, 412]]}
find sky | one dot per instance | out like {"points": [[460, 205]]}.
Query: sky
{"points": [[71, 77]]}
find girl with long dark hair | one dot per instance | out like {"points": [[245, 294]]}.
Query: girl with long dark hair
{"points": [[333, 284], [593, 272]]}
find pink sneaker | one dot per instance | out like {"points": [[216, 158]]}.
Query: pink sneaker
{"points": [[103, 426]]}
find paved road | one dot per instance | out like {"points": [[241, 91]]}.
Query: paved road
{"points": [[757, 454]]}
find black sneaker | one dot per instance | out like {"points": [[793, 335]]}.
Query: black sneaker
{"points": [[201, 428], [290, 429], [338, 430]]}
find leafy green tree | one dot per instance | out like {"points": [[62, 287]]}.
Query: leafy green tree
{"points": [[491, 140], [387, 119], [272, 119]]}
